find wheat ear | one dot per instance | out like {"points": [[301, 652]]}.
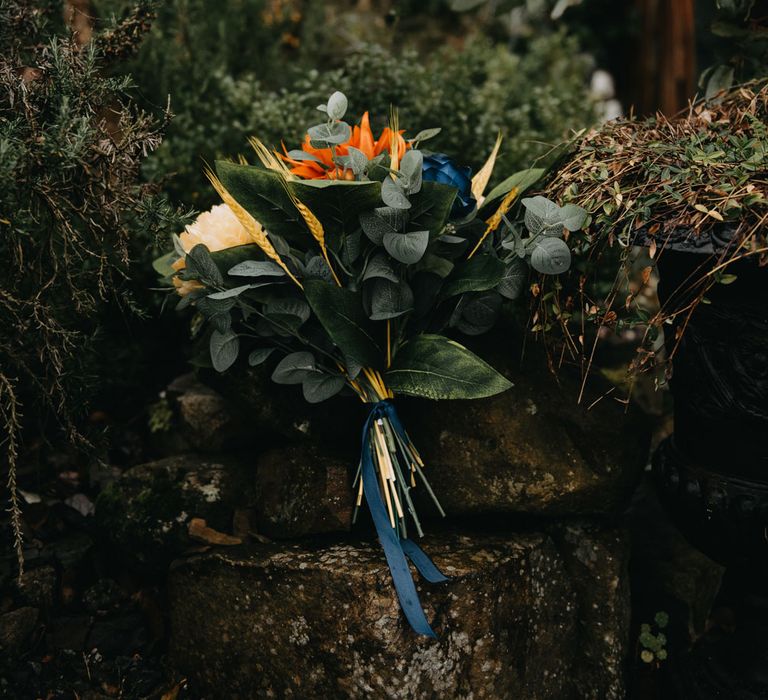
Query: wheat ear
{"points": [[254, 228], [493, 222]]}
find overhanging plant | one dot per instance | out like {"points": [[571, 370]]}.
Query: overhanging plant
{"points": [[344, 264]]}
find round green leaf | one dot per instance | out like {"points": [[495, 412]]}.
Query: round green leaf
{"points": [[318, 387], [294, 368], [407, 248], [224, 348], [551, 256]]}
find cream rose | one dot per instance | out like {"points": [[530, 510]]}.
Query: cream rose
{"points": [[217, 229]]}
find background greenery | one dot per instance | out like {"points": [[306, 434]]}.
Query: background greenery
{"points": [[261, 67]]}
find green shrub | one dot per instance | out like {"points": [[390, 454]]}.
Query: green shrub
{"points": [[230, 75], [73, 213]]}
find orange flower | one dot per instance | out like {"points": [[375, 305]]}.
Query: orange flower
{"points": [[362, 139]]}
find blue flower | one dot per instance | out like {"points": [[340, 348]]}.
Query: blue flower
{"points": [[438, 167]]}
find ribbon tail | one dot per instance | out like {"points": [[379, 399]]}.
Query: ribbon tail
{"points": [[422, 562], [391, 542]]}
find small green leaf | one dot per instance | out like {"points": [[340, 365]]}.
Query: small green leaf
{"points": [[513, 280], [337, 105], [407, 248], [318, 387], [230, 293], [550, 256], [375, 226], [294, 368], [435, 367], [329, 134], [358, 161], [393, 195], [425, 134], [256, 268], [380, 266], [259, 356], [390, 299], [411, 166], [479, 313], [200, 263], [224, 347]]}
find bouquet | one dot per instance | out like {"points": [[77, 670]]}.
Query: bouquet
{"points": [[343, 264]]}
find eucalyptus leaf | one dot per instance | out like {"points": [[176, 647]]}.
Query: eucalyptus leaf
{"points": [[573, 217], [543, 216], [230, 293], [513, 281], [425, 134], [222, 322], [210, 307], [318, 387], [375, 227], [435, 367], [297, 308], [407, 248], [393, 194], [337, 105], [294, 368], [357, 159], [380, 266], [256, 268], [411, 167], [550, 256], [436, 265], [200, 263], [259, 356], [480, 313], [329, 134], [224, 347], [297, 154], [317, 268], [390, 299]]}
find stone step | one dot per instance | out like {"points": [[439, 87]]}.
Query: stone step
{"points": [[524, 616]]}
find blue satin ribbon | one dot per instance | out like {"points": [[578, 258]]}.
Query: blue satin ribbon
{"points": [[396, 549]]}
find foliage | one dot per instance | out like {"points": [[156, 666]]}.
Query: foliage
{"points": [[352, 273], [661, 183], [70, 149], [741, 45], [233, 75], [653, 639]]}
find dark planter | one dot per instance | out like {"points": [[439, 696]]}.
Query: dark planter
{"points": [[712, 474]]}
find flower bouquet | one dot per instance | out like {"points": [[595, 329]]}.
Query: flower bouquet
{"points": [[343, 264]]}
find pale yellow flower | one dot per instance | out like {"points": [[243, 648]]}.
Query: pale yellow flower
{"points": [[217, 229]]}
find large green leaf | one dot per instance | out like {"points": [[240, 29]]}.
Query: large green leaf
{"points": [[523, 180], [435, 367], [262, 193], [478, 274], [431, 206], [338, 204], [340, 311]]}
